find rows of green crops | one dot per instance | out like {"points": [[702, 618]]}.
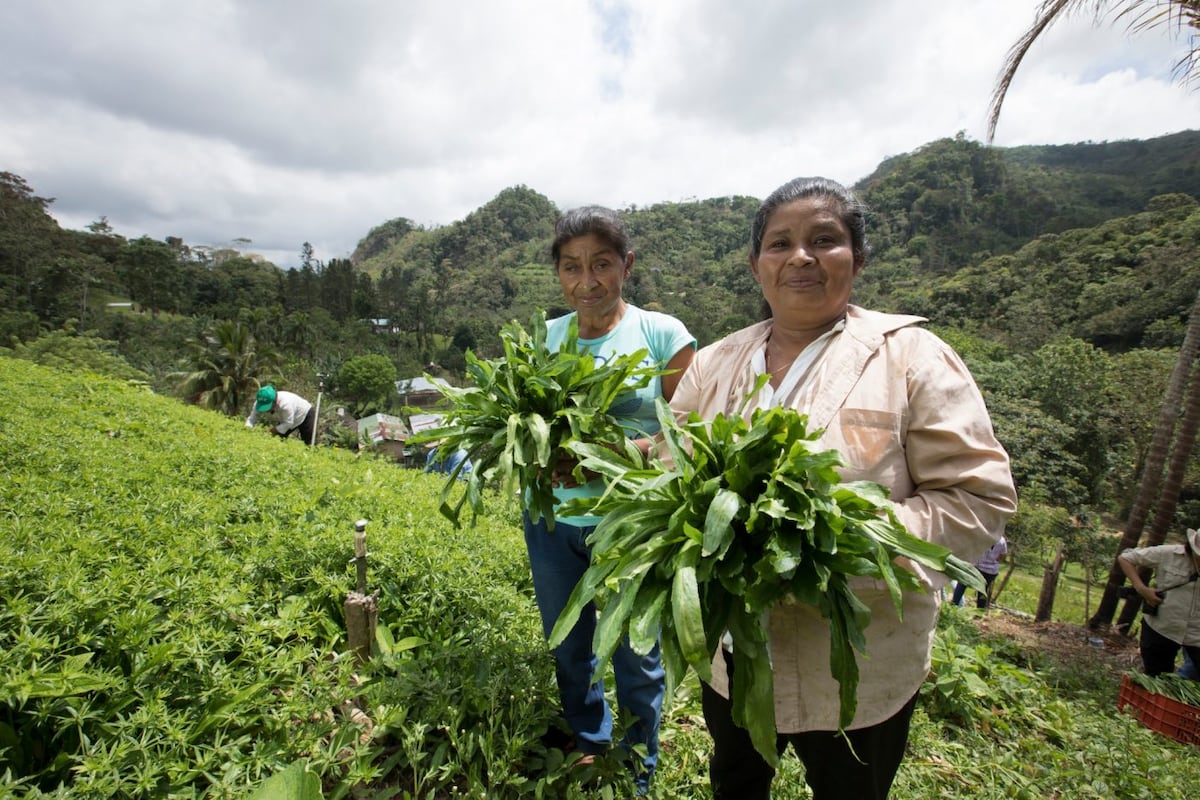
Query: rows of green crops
{"points": [[171, 589], [171, 625]]}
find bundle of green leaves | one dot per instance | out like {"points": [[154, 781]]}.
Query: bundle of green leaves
{"points": [[743, 516], [521, 410], [1176, 687]]}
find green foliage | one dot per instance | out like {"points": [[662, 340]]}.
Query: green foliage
{"points": [[522, 410], [969, 685], [293, 783], [746, 517], [171, 615], [369, 381], [1044, 467], [65, 351], [1176, 687], [150, 273], [30, 240], [1038, 528], [1105, 284]]}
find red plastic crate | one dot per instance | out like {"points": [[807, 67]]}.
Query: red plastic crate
{"points": [[1171, 718]]}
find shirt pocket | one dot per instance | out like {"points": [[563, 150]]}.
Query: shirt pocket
{"points": [[870, 443]]}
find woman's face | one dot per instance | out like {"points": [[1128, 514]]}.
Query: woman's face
{"points": [[806, 265], [592, 274]]}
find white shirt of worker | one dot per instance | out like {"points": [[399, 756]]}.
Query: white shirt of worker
{"points": [[290, 410]]}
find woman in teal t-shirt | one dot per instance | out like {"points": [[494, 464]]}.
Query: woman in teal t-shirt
{"points": [[592, 258]]}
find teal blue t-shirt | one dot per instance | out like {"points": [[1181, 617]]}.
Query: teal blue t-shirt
{"points": [[660, 334]]}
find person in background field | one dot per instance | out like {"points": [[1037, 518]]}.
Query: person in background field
{"points": [[1188, 669], [903, 411], [434, 461], [592, 259], [291, 412], [989, 568], [1171, 610]]}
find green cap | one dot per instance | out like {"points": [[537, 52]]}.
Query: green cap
{"points": [[266, 398]]}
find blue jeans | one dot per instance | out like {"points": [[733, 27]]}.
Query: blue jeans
{"points": [[558, 560], [981, 598]]}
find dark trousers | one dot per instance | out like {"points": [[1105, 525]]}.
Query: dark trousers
{"points": [[738, 772], [982, 599], [305, 428], [1159, 652]]}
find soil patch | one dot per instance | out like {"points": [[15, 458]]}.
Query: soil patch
{"points": [[1065, 643]]}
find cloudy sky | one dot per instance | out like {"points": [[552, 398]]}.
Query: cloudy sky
{"points": [[305, 120]]}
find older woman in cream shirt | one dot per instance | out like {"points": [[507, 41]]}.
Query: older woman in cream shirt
{"points": [[903, 410]]}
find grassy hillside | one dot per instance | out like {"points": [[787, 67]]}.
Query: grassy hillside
{"points": [[172, 588], [171, 625]]}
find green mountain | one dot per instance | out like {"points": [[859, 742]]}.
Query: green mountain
{"points": [[1017, 245], [950, 207]]}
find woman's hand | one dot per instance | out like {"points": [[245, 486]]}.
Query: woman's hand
{"points": [[1149, 596], [562, 473]]}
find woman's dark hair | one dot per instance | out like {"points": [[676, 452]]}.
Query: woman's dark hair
{"points": [[602, 222], [850, 209]]}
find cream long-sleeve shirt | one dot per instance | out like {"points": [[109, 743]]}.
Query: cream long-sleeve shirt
{"points": [[900, 406]]}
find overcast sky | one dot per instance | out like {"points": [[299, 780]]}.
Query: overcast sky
{"points": [[305, 120]]}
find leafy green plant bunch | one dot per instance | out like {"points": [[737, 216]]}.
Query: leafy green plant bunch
{"points": [[748, 515], [522, 410], [1176, 687]]}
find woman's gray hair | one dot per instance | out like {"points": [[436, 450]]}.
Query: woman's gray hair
{"points": [[602, 222]]}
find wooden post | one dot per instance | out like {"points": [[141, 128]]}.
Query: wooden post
{"points": [[362, 609], [1049, 586]]}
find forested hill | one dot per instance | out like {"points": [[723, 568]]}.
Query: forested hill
{"points": [[953, 205], [1015, 246], [954, 202]]}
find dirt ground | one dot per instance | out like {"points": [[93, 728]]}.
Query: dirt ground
{"points": [[1066, 643]]}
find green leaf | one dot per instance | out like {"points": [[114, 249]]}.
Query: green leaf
{"points": [[689, 622], [717, 522], [295, 782]]}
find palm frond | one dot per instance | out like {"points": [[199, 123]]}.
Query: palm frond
{"points": [[1139, 15]]}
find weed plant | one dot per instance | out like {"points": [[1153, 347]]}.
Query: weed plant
{"points": [[171, 625]]}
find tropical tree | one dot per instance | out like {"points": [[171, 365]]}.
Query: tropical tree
{"points": [[151, 273], [29, 242], [228, 365], [1139, 14], [1156, 457], [1164, 516], [369, 381]]}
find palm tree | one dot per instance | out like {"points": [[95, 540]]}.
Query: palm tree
{"points": [[1149, 490], [1141, 15], [228, 365], [1181, 454]]}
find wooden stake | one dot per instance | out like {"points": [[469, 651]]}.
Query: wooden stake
{"points": [[361, 609]]}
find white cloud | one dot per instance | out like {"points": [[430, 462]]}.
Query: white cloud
{"points": [[309, 121]]}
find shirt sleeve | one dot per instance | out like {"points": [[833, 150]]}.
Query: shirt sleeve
{"points": [[963, 487], [669, 337]]}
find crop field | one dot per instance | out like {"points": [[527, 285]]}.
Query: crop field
{"points": [[172, 625]]}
